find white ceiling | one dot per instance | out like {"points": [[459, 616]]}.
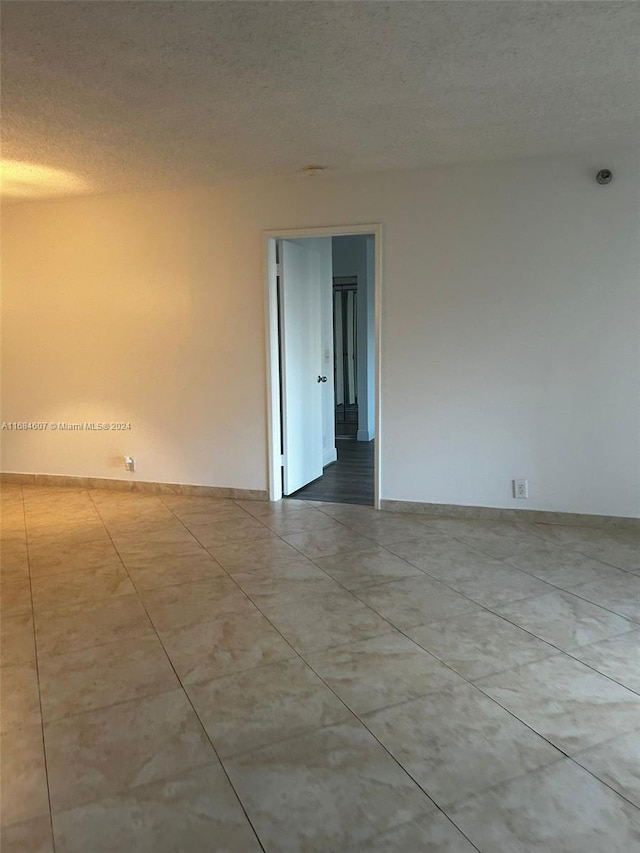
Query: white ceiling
{"points": [[154, 95]]}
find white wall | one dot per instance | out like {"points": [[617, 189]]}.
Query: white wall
{"points": [[354, 256], [510, 344]]}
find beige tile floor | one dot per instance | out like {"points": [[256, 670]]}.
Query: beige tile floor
{"points": [[182, 675]]}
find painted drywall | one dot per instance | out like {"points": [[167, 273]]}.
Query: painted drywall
{"points": [[354, 256], [510, 343]]}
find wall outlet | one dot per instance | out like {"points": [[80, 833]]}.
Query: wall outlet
{"points": [[129, 463], [520, 488]]}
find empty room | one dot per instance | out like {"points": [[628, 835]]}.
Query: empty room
{"points": [[320, 444]]}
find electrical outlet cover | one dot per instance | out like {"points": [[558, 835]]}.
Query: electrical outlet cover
{"points": [[520, 488]]}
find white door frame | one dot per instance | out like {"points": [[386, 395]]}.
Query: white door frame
{"points": [[273, 365]]}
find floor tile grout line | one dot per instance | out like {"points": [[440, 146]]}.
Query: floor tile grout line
{"points": [[560, 749], [363, 723], [612, 565], [595, 776], [430, 529], [543, 539], [354, 592], [539, 734], [395, 629], [484, 607], [560, 651], [122, 564], [299, 654], [99, 645], [188, 698], [571, 550], [35, 650], [602, 607], [499, 560], [570, 653], [487, 608], [85, 711]]}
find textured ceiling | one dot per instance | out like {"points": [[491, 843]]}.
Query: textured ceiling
{"points": [[113, 96]]}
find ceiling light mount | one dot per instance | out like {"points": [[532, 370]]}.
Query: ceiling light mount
{"points": [[604, 176], [311, 171]]}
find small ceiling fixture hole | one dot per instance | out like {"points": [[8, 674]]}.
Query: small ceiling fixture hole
{"points": [[604, 176]]}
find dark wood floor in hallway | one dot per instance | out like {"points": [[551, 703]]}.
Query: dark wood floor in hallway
{"points": [[349, 480]]}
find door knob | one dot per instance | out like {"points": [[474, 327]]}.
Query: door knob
{"points": [[322, 378]]}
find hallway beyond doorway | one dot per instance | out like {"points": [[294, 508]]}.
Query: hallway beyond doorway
{"points": [[349, 480]]}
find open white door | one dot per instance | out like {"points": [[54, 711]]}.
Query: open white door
{"points": [[304, 266]]}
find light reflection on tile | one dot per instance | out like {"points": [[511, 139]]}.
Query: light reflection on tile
{"points": [[175, 606], [56, 591], [458, 742], [131, 768], [98, 753], [188, 812], [22, 775], [18, 640], [477, 644], [286, 581], [87, 679], [566, 702], [167, 570], [222, 645], [319, 623], [432, 833], [560, 808], [366, 568], [619, 658], [619, 593], [19, 696], [91, 623], [616, 762], [382, 671], [30, 836], [328, 540], [560, 565], [415, 601], [264, 705], [324, 791], [564, 620]]}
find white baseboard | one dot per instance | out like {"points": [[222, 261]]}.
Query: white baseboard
{"points": [[330, 456], [74, 482], [531, 516]]}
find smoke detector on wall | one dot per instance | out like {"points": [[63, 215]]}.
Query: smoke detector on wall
{"points": [[311, 170]]}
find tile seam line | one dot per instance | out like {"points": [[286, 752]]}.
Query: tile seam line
{"points": [[435, 658], [188, 698], [354, 593], [393, 628], [350, 711], [35, 645], [561, 651], [633, 627]]}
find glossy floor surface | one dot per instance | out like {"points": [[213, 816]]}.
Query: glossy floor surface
{"points": [[348, 480], [187, 675]]}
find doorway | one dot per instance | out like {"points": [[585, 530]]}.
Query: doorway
{"points": [[345, 355], [310, 385]]}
